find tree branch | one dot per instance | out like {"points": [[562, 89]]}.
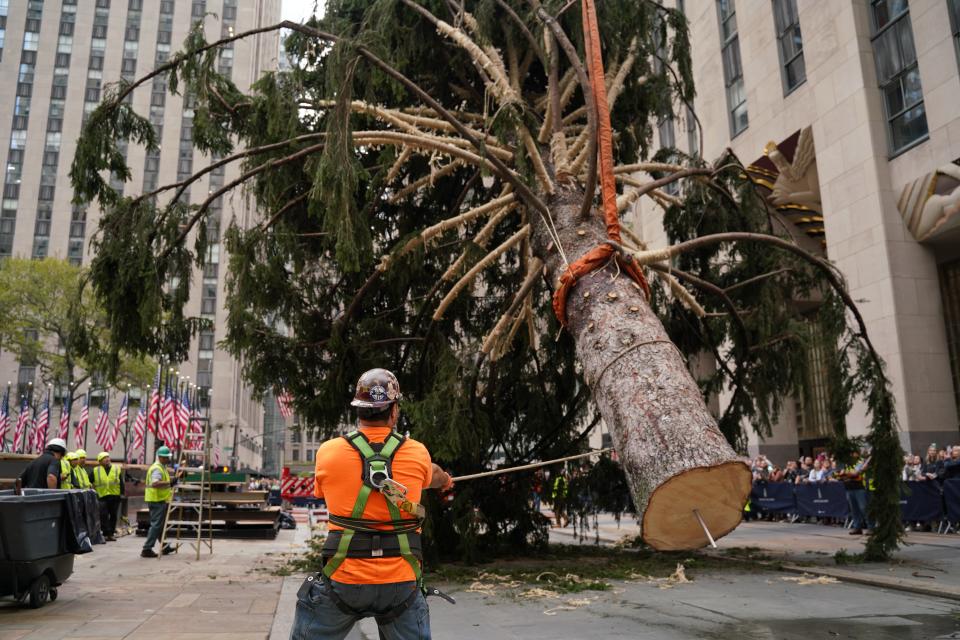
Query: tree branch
{"points": [[574, 58]]}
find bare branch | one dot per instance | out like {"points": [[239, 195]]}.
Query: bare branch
{"points": [[419, 183], [481, 239], [450, 223], [489, 259], [289, 205], [533, 274], [574, 58]]}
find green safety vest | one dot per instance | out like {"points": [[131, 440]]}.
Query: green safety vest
{"points": [[559, 487], [369, 457], [107, 483], [82, 480], [66, 474], [157, 495]]}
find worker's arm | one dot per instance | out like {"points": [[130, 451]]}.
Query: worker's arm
{"points": [[53, 475], [155, 483], [440, 479]]}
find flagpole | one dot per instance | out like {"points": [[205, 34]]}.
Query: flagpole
{"points": [[3, 445], [86, 427], [156, 425], [126, 429]]}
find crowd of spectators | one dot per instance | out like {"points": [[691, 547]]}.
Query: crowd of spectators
{"points": [[808, 469], [938, 464]]}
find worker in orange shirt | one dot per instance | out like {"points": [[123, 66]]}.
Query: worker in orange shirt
{"points": [[371, 479]]}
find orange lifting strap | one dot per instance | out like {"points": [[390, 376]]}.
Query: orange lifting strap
{"points": [[601, 254]]}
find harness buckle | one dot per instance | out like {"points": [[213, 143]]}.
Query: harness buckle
{"points": [[376, 550]]}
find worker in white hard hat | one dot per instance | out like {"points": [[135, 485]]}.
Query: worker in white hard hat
{"points": [[44, 471], [108, 482]]}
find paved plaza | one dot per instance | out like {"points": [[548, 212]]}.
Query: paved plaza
{"points": [[234, 595]]}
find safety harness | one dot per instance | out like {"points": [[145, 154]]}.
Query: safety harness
{"points": [[366, 538]]}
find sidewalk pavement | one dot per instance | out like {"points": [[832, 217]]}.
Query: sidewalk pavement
{"points": [[232, 595], [113, 593]]}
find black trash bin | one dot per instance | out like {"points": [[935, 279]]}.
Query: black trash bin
{"points": [[34, 559]]}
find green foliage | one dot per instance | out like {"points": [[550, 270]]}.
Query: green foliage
{"points": [[99, 151], [309, 311], [48, 321]]}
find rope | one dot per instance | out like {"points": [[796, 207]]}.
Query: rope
{"points": [[599, 255], [533, 465], [635, 345]]}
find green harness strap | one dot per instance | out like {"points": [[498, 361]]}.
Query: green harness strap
{"points": [[390, 446]]}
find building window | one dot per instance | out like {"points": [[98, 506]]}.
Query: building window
{"points": [[898, 74], [953, 7], [792, 69], [732, 67], [295, 455]]}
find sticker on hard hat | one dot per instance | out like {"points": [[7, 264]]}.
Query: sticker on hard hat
{"points": [[378, 393]]}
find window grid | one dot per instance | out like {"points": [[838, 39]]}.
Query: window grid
{"points": [[898, 74], [18, 136], [732, 67], [953, 7], [793, 69], [51, 155], [4, 9]]}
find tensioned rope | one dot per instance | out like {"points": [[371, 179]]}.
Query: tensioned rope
{"points": [[532, 465], [601, 254]]}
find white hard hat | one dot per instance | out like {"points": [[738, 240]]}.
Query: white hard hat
{"points": [[58, 442]]}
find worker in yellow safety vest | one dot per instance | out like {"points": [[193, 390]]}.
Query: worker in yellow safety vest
{"points": [[81, 477], [158, 493], [66, 472], [108, 482], [68, 478]]}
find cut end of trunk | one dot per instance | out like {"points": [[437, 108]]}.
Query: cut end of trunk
{"points": [[718, 492]]}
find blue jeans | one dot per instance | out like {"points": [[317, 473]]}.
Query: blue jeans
{"points": [[158, 511], [319, 618], [857, 498]]}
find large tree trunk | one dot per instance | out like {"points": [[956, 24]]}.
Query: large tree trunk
{"points": [[676, 460]]}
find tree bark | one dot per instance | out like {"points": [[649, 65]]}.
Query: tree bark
{"points": [[675, 458]]}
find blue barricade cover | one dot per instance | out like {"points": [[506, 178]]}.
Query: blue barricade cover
{"points": [[920, 501], [773, 496], [951, 497], [825, 500]]}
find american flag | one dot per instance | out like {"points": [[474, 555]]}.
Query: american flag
{"points": [[4, 420], [168, 418], [153, 417], [102, 429], [285, 402], [183, 415], [22, 420], [42, 424], [80, 434], [217, 450], [65, 418], [139, 433], [121, 420]]}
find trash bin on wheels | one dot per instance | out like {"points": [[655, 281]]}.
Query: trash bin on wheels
{"points": [[34, 560]]}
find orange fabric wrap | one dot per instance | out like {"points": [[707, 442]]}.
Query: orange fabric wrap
{"points": [[600, 255]]}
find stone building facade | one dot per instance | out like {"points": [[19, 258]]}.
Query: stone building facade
{"points": [[56, 59], [847, 112]]}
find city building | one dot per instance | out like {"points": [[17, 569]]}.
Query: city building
{"points": [[846, 113], [56, 58]]}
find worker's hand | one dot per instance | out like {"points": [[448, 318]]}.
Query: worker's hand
{"points": [[449, 483]]}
